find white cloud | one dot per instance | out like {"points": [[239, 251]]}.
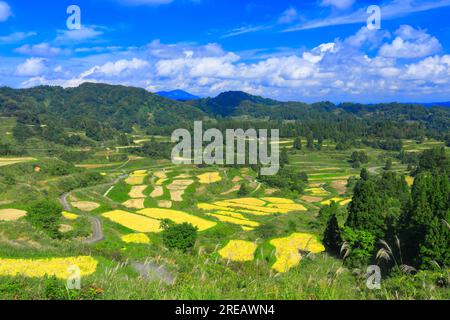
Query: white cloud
{"points": [[288, 16], [146, 2], [75, 36], [16, 37], [411, 43], [390, 10], [5, 11], [339, 70], [32, 67], [340, 4], [41, 49]]}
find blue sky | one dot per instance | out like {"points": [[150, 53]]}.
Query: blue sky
{"points": [[290, 50]]}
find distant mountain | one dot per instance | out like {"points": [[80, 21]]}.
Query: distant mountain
{"points": [[437, 104], [229, 103], [179, 95]]}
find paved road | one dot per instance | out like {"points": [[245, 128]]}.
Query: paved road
{"points": [[96, 224]]}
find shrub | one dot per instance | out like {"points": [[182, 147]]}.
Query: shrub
{"points": [[179, 236], [45, 215]]}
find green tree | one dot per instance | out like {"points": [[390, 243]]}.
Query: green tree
{"points": [[22, 132], [179, 236], [332, 238], [436, 245], [310, 142], [388, 165], [45, 215], [366, 211], [284, 158], [360, 246], [244, 190], [364, 175], [298, 144]]}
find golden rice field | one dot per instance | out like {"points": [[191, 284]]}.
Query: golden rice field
{"points": [[288, 250], [232, 214], [317, 191], [248, 201], [138, 238], [37, 268], [209, 177], [69, 216], [12, 214], [137, 177], [255, 210], [338, 200], [86, 206], [239, 222], [409, 181], [238, 250], [278, 200], [133, 221], [178, 217]]}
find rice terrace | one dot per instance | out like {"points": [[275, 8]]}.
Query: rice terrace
{"points": [[97, 204]]}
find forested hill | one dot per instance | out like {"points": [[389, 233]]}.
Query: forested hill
{"points": [[117, 106], [105, 108]]}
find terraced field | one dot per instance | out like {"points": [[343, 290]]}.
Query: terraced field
{"points": [[265, 233]]}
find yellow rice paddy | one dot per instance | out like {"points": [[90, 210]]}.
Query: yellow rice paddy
{"points": [[177, 217], [133, 221], [209, 178], [137, 177], [248, 201], [278, 200], [290, 207], [69, 216], [317, 191], [288, 250], [38, 268], [239, 222], [139, 238], [238, 250], [329, 201], [409, 181]]}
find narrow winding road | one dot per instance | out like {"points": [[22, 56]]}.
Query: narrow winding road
{"points": [[96, 224]]}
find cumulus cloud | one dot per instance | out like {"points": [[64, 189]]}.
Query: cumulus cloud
{"points": [[81, 35], [145, 2], [41, 49], [411, 43], [16, 37], [341, 70], [340, 4], [288, 16], [5, 11], [32, 67]]}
